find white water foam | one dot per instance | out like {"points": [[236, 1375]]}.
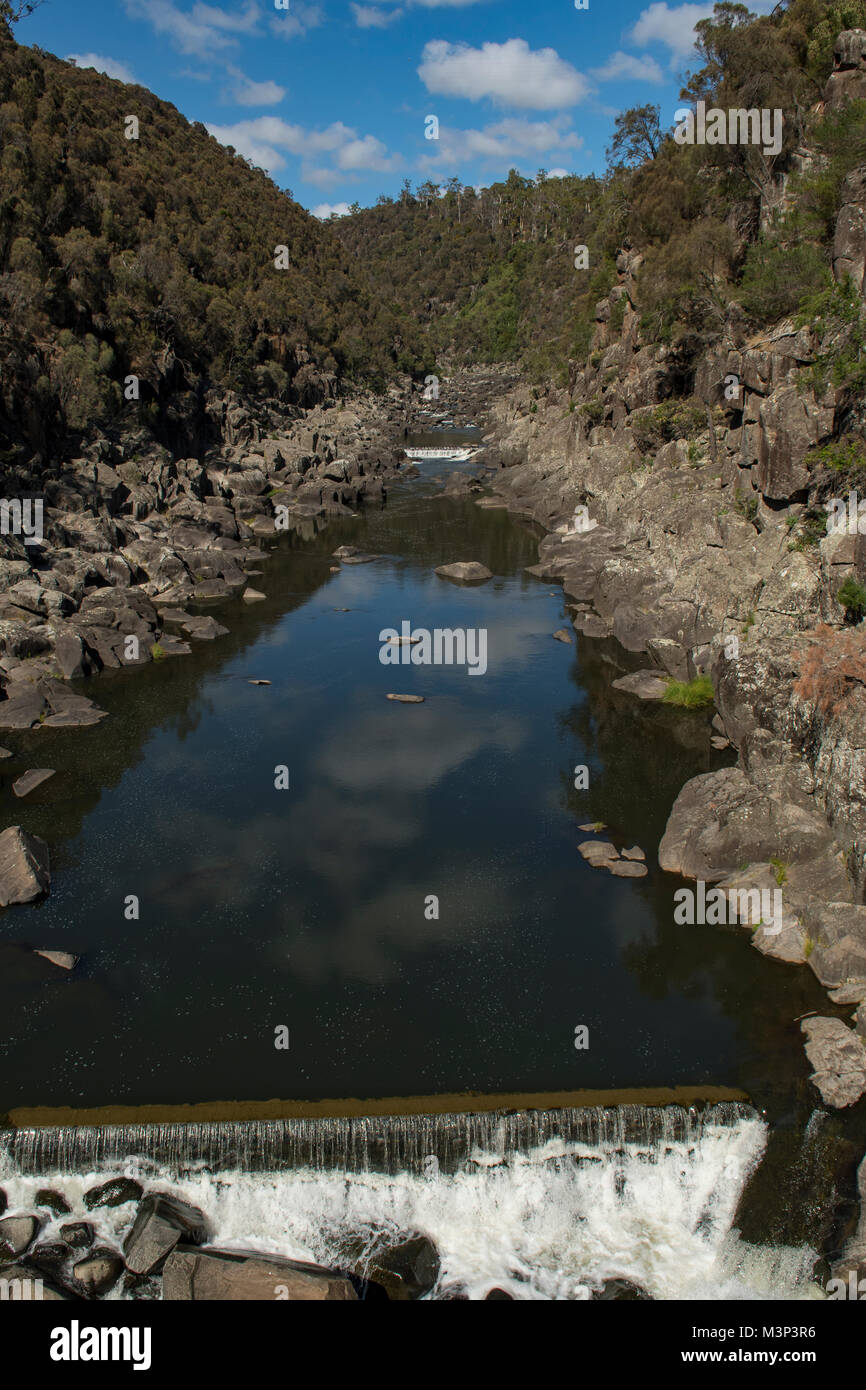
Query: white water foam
{"points": [[551, 1222]]}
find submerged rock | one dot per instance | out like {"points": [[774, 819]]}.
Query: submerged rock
{"points": [[55, 1201], [408, 699], [30, 780], [24, 867], [597, 852]]}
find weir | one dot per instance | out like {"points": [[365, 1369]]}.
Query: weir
{"points": [[357, 1144]]}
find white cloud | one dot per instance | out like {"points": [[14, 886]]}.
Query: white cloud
{"points": [[267, 139], [510, 73], [373, 17], [200, 30], [558, 173], [246, 92], [298, 20], [626, 65], [110, 66], [512, 139], [674, 27], [326, 210]]}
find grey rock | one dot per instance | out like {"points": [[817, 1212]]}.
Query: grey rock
{"points": [[562, 635], [98, 1272], [408, 699], [598, 853], [634, 853], [244, 1276], [63, 959], [30, 780], [838, 1057], [465, 572], [24, 867], [17, 1234], [647, 685], [79, 1235], [625, 868], [113, 1193], [161, 1221]]}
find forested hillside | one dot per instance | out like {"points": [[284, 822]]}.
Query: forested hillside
{"points": [[728, 234], [156, 256]]}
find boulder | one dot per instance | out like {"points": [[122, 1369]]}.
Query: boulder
{"points": [[79, 1235], [240, 1276], [562, 635], [838, 1057], [113, 1193], [161, 1221], [70, 656], [465, 572], [598, 852], [98, 1272], [17, 1234], [647, 685], [24, 867], [54, 1201], [408, 1270]]}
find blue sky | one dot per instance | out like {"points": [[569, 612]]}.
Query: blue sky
{"points": [[331, 96]]}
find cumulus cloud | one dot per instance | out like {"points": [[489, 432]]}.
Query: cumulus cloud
{"points": [[673, 26], [326, 210], [626, 65], [202, 30], [510, 73], [502, 142], [266, 141], [297, 21], [110, 66], [373, 17], [246, 92]]}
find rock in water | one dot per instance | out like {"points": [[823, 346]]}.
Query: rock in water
{"points": [[465, 572], [24, 867], [634, 853], [253, 596], [408, 699], [16, 1234], [625, 868], [161, 1221], [113, 1193], [64, 959], [407, 1270], [838, 1056], [647, 685], [30, 780], [245, 1276], [598, 852], [98, 1272], [562, 635]]}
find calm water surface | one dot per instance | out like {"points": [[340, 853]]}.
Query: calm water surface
{"points": [[306, 907]]}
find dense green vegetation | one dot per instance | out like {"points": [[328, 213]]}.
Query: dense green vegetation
{"points": [[156, 257], [493, 275]]}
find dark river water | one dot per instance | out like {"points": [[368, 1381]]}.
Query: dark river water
{"points": [[304, 907]]}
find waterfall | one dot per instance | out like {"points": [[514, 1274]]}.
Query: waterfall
{"points": [[385, 1143], [544, 1204]]}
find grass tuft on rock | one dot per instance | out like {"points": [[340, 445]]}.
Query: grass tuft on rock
{"points": [[695, 694]]}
